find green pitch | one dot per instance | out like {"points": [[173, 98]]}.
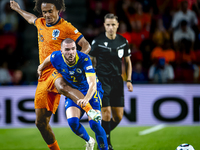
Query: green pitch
{"points": [[123, 138]]}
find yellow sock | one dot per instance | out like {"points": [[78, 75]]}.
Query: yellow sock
{"points": [[87, 107], [54, 146]]}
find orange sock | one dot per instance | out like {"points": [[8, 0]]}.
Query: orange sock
{"points": [[54, 146], [87, 107]]}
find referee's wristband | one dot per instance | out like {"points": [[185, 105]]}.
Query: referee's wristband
{"points": [[129, 81]]}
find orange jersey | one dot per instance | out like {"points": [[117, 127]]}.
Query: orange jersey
{"points": [[49, 40], [51, 36]]}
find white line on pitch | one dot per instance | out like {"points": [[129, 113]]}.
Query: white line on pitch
{"points": [[153, 129]]}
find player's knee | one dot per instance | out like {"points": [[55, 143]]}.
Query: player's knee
{"points": [[73, 123], [117, 118], [106, 113], [40, 125]]}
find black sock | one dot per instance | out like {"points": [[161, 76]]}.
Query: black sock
{"points": [[106, 126], [113, 124]]}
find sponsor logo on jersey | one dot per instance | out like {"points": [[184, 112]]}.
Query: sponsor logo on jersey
{"points": [[41, 29], [55, 34], [86, 59], [71, 72], [63, 70], [89, 67], [78, 70], [106, 43], [120, 53], [76, 31]]}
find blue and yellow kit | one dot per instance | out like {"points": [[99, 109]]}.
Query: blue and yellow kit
{"points": [[76, 75]]}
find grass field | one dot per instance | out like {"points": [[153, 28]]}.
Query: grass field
{"points": [[123, 138]]}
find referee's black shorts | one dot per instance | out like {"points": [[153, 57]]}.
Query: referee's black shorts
{"points": [[113, 91]]}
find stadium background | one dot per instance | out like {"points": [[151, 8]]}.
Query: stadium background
{"points": [[154, 100]]}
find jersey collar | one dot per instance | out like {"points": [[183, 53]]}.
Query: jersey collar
{"points": [[77, 58], [49, 25]]}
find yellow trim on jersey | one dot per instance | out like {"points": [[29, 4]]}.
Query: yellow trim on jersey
{"points": [[100, 99], [90, 74], [77, 58]]}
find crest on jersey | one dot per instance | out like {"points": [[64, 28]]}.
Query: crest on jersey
{"points": [[78, 70], [120, 53], [55, 34]]}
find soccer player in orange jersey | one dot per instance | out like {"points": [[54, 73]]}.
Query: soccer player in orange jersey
{"points": [[51, 31]]}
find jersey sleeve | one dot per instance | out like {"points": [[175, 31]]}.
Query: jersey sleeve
{"points": [[94, 49], [55, 58], [73, 33], [127, 50], [88, 67], [35, 22]]}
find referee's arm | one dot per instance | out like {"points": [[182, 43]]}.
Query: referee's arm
{"points": [[93, 59], [128, 72]]}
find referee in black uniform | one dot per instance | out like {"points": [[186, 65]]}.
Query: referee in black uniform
{"points": [[108, 49]]}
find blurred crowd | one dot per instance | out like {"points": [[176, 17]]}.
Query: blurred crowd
{"points": [[163, 37]]}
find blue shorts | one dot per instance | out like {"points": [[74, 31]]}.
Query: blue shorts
{"points": [[95, 102]]}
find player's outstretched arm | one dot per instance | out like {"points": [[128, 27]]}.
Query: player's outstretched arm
{"points": [[30, 18], [129, 73], [92, 88], [45, 63], [85, 45]]}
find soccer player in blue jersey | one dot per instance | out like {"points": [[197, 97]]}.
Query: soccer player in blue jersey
{"points": [[76, 68]]}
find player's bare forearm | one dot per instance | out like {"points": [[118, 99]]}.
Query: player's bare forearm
{"points": [[30, 18], [93, 59], [92, 88], [45, 63], [85, 46]]}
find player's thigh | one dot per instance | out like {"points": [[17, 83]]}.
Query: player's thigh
{"points": [[61, 85], [73, 112], [63, 88], [46, 96]]}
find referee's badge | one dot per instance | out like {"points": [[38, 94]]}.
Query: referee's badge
{"points": [[120, 53]]}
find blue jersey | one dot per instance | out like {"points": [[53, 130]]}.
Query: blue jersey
{"points": [[75, 75]]}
